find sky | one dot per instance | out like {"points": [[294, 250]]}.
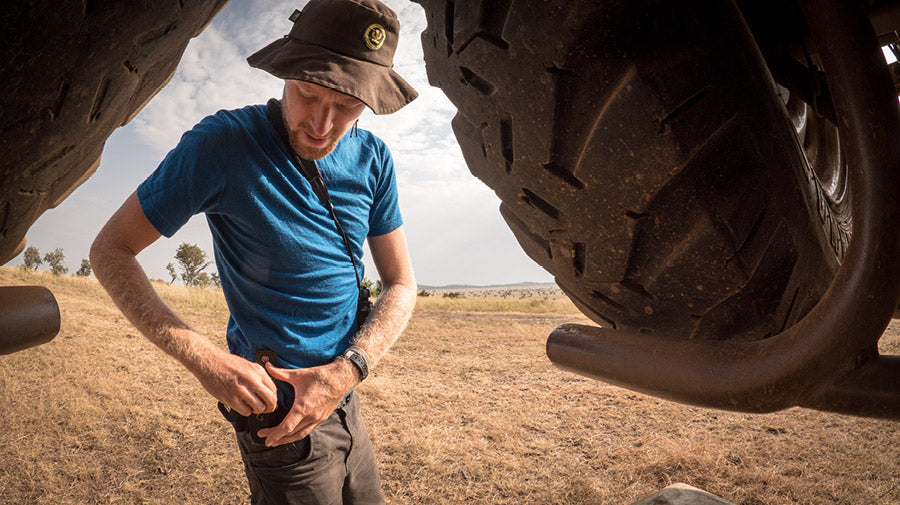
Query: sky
{"points": [[452, 221]]}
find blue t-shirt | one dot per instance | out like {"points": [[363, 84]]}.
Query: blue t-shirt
{"points": [[285, 271]]}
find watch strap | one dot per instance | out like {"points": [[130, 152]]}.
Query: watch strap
{"points": [[359, 358]]}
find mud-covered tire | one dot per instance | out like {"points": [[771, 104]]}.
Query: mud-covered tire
{"points": [[642, 156], [73, 72]]}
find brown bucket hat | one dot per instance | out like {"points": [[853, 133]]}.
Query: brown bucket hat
{"points": [[345, 45]]}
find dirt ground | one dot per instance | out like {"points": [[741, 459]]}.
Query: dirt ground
{"points": [[466, 408]]}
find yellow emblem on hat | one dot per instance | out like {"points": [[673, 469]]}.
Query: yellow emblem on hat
{"points": [[375, 36]]}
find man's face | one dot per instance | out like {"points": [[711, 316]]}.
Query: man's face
{"points": [[317, 117]]}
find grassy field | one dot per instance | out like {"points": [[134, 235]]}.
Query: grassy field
{"points": [[466, 409]]}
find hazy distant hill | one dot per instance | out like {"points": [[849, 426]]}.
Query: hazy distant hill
{"points": [[517, 285]]}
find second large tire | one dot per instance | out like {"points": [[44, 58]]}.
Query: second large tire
{"points": [[642, 155]]}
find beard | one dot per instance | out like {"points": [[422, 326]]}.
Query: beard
{"points": [[298, 143]]}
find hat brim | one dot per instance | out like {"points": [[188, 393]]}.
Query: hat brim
{"points": [[377, 86]]}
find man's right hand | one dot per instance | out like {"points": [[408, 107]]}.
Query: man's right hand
{"points": [[241, 385]]}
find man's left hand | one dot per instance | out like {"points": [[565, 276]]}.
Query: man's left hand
{"points": [[317, 392]]}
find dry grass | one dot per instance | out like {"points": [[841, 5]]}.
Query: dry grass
{"points": [[529, 305], [466, 408]]}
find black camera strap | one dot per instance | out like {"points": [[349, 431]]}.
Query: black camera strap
{"points": [[314, 177]]}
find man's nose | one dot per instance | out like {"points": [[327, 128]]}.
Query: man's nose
{"points": [[322, 120]]}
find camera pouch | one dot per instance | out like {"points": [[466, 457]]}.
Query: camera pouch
{"points": [[363, 306]]}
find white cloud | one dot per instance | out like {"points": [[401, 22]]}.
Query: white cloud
{"points": [[212, 75]]}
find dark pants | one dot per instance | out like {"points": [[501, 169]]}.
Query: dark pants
{"points": [[335, 464]]}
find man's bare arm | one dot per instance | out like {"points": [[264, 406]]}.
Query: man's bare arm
{"points": [[319, 389], [236, 382], [397, 300]]}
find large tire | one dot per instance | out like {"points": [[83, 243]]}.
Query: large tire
{"points": [[73, 72], [643, 157]]}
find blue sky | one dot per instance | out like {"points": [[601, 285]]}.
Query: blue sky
{"points": [[455, 232]]}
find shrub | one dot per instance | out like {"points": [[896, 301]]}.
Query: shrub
{"points": [[85, 270]]}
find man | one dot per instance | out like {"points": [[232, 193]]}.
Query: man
{"points": [[289, 277]]}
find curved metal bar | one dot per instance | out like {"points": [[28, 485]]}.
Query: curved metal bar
{"points": [[29, 316], [822, 358], [873, 390]]}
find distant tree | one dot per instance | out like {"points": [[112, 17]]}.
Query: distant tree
{"points": [[453, 294], [377, 289], [171, 268], [214, 277], [85, 270], [203, 280], [424, 293], [32, 259], [192, 261], [374, 287], [55, 259]]}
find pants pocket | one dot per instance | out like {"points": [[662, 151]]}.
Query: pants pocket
{"points": [[282, 456]]}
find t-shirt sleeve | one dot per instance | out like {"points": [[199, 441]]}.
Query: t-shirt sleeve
{"points": [[384, 216], [189, 180]]}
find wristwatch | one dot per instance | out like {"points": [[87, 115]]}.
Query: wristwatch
{"points": [[356, 355]]}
